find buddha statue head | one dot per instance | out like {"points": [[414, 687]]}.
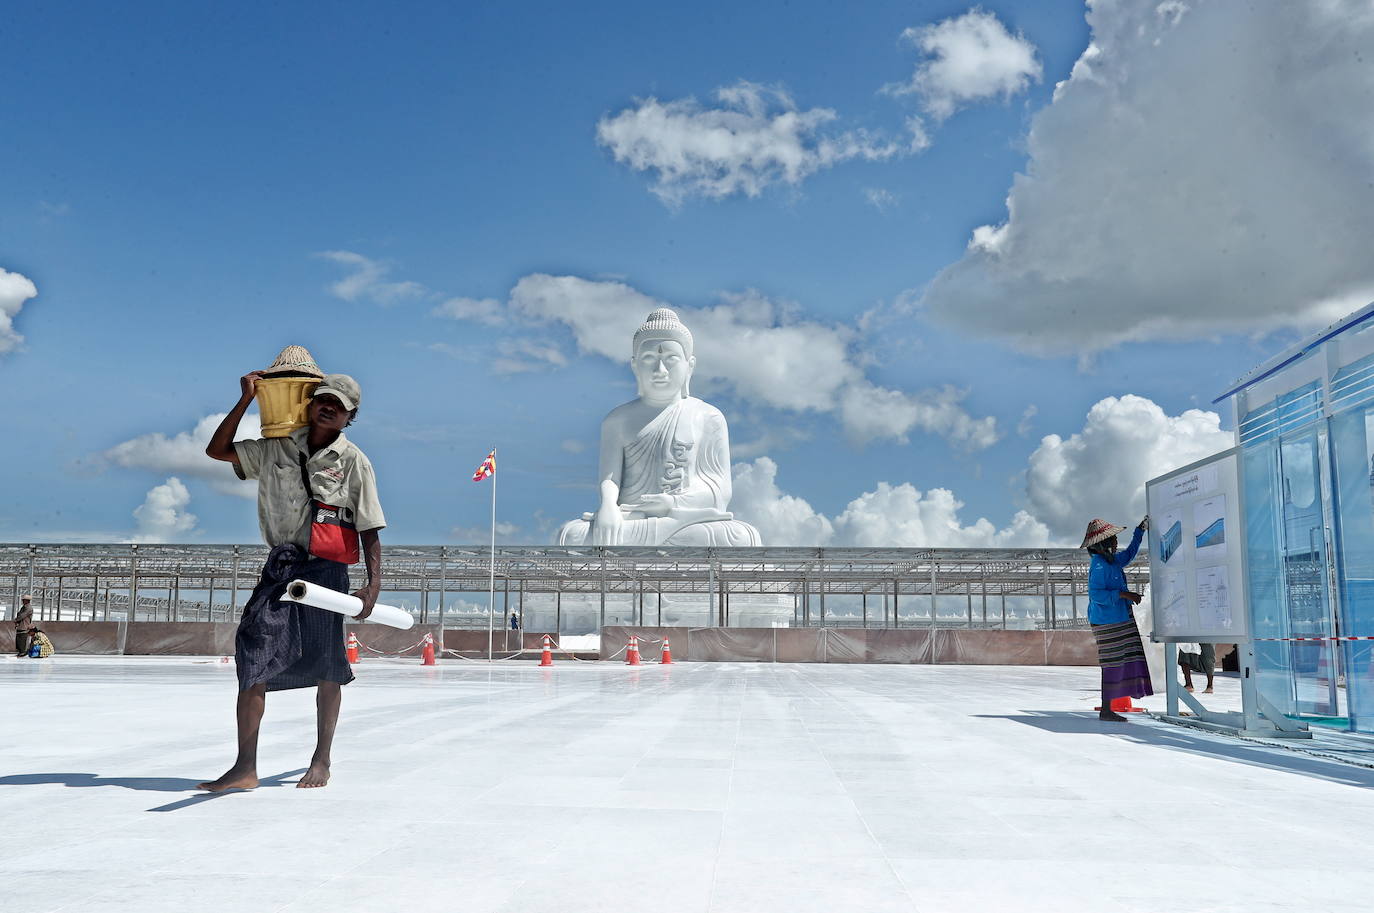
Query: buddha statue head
{"points": [[662, 358]]}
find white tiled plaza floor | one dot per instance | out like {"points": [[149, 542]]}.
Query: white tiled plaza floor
{"points": [[702, 787]]}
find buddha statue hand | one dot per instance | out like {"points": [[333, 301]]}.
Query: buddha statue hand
{"points": [[653, 505], [606, 525]]}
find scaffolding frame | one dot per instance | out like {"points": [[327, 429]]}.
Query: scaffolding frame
{"points": [[91, 580]]}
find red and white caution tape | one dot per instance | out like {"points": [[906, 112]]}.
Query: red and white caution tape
{"points": [[1300, 640], [482, 659], [418, 643], [556, 646]]}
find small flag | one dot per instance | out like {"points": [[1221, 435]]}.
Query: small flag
{"points": [[488, 468]]}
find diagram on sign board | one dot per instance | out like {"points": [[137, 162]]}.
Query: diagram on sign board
{"points": [[1171, 538], [1209, 521], [1213, 597], [1174, 600]]}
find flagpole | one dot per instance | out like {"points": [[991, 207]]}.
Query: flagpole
{"points": [[491, 583]]}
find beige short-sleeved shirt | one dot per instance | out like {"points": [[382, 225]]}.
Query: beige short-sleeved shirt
{"points": [[340, 475]]}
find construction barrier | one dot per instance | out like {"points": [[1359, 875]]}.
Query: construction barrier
{"points": [[1063, 647]]}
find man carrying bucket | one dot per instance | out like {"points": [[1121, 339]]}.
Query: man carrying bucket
{"points": [[317, 495]]}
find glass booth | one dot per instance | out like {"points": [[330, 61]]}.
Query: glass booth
{"points": [[1305, 426]]}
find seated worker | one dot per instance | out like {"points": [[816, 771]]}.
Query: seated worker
{"points": [[39, 645]]}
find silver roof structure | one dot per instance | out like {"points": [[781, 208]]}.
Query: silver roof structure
{"points": [[552, 569]]}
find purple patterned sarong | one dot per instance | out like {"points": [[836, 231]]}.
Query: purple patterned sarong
{"points": [[1122, 658], [285, 644]]}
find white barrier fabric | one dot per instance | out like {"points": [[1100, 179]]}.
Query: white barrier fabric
{"points": [[320, 597]]}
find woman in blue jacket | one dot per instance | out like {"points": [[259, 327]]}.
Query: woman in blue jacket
{"points": [[1119, 652]]}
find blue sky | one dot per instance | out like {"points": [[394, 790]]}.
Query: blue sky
{"points": [[188, 188]]}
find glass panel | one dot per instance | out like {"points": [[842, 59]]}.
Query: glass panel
{"points": [[1268, 613], [1305, 576], [1299, 407], [1352, 442], [1353, 385]]}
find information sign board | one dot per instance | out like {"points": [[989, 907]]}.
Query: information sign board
{"points": [[1197, 552]]}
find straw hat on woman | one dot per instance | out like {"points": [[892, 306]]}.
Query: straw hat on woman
{"points": [[1125, 672]]}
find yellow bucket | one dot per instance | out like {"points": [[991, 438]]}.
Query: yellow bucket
{"points": [[282, 402]]}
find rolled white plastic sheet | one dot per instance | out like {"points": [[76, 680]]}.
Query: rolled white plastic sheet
{"points": [[322, 597]]}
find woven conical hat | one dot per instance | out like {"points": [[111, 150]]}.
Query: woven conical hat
{"points": [[294, 360], [1099, 530]]}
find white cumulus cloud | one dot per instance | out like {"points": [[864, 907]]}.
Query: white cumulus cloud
{"points": [[870, 412], [1098, 471], [755, 137], [368, 280], [1204, 169], [780, 518], [15, 289], [762, 350], [183, 453], [162, 517], [1101, 470], [903, 516], [897, 516], [967, 59]]}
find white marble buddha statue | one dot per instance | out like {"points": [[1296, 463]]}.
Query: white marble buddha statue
{"points": [[665, 457]]}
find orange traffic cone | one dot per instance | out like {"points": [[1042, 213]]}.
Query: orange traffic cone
{"points": [[351, 648], [428, 652], [667, 659], [632, 652], [547, 658]]}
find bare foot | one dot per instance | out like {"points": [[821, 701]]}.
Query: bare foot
{"points": [[1206, 690], [233, 778], [316, 776], [1187, 687]]}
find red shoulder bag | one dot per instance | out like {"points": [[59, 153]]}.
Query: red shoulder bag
{"points": [[331, 536]]}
